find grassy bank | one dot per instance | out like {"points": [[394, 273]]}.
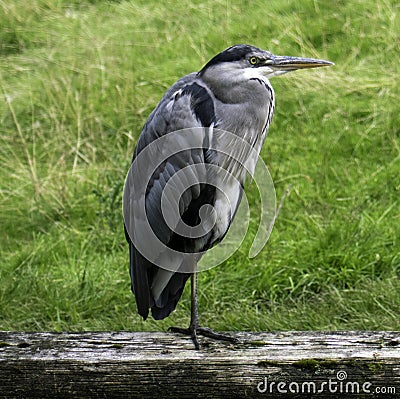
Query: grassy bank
{"points": [[77, 82]]}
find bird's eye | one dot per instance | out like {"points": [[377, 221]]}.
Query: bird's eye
{"points": [[253, 60]]}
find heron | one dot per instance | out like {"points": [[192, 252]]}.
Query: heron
{"points": [[231, 93]]}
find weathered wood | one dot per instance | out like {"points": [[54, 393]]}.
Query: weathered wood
{"points": [[124, 365]]}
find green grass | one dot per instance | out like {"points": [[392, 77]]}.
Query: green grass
{"points": [[77, 82]]}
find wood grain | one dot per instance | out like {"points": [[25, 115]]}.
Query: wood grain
{"points": [[165, 365]]}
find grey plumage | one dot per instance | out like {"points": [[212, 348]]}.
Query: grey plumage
{"points": [[230, 93]]}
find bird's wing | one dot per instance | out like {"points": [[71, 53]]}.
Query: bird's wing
{"points": [[188, 104]]}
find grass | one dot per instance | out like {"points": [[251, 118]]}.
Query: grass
{"points": [[77, 82]]}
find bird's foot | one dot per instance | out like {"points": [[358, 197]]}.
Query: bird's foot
{"points": [[205, 332]]}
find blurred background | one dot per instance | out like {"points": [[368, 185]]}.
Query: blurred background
{"points": [[78, 80]]}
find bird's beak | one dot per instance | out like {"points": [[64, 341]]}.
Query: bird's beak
{"points": [[286, 63]]}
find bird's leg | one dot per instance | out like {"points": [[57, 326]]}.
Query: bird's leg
{"points": [[194, 314], [194, 310], [194, 328]]}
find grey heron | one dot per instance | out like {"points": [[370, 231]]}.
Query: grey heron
{"points": [[231, 93]]}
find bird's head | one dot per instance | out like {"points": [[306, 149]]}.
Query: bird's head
{"points": [[243, 62]]}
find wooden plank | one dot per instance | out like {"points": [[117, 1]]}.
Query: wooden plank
{"points": [[165, 365]]}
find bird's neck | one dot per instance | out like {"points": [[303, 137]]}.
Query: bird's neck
{"points": [[239, 89]]}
